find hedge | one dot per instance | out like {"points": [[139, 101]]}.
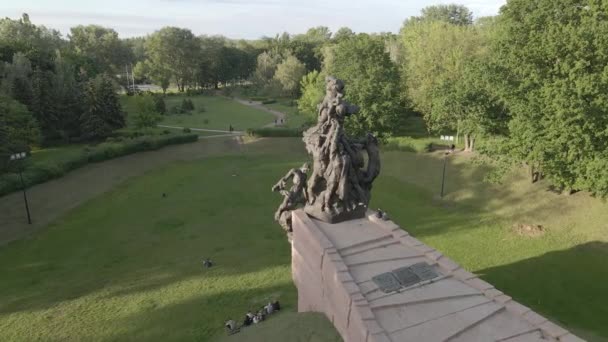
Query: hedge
{"points": [[275, 132], [409, 144], [36, 173]]}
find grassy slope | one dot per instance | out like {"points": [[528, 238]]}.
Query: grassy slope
{"points": [[220, 112], [126, 265], [561, 274]]}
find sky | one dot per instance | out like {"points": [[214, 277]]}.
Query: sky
{"points": [[248, 19]]}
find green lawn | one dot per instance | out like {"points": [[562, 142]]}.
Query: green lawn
{"points": [[126, 265], [220, 113]]}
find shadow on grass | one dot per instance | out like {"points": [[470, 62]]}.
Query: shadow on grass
{"points": [[202, 318], [568, 286]]}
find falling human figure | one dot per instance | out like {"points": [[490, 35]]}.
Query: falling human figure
{"points": [[294, 197]]}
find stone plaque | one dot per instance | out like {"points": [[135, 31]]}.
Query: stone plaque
{"points": [[387, 282], [406, 276], [424, 271]]}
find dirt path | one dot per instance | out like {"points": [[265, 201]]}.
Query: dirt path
{"points": [[279, 115], [51, 200]]}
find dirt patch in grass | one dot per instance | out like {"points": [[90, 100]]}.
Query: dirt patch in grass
{"points": [[529, 230]]}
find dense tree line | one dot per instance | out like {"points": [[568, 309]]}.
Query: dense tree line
{"points": [[524, 87]]}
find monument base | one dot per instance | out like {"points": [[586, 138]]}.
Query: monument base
{"points": [[329, 217], [337, 268]]}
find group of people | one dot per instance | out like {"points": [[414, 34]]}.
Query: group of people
{"points": [[251, 318]]}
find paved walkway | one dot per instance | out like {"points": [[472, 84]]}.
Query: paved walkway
{"points": [[258, 105], [203, 130]]}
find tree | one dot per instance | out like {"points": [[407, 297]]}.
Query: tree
{"points": [[37, 43], [554, 84], [452, 14], [372, 82], [16, 80], [101, 47], [146, 114], [18, 129], [289, 73], [267, 63], [173, 52], [446, 80], [312, 89], [103, 113], [342, 34]]}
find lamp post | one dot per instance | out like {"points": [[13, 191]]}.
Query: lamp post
{"points": [[21, 156], [445, 161]]}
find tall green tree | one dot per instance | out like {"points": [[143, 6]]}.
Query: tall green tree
{"points": [[312, 88], [173, 51], [101, 48], [372, 82], [452, 14], [551, 62], [289, 73], [103, 113], [18, 129]]}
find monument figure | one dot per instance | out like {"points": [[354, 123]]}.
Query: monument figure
{"points": [[340, 184], [292, 197]]}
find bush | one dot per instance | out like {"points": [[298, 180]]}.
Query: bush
{"points": [[269, 101], [258, 98], [187, 130], [187, 106], [275, 132], [409, 144], [39, 172]]}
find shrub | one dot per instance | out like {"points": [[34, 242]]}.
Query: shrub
{"points": [[187, 105], [269, 101], [187, 130], [409, 144], [258, 98], [275, 132]]}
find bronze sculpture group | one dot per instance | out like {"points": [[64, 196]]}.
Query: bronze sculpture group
{"points": [[339, 186]]}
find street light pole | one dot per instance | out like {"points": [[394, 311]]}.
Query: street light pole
{"points": [[19, 156], [445, 161]]}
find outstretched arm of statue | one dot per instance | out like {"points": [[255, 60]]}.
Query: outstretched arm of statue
{"points": [[282, 183]]}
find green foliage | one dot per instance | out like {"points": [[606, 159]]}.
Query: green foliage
{"points": [[39, 172], [409, 144], [372, 82], [187, 105], [146, 114], [269, 101], [312, 88], [553, 81], [18, 129], [275, 132], [103, 113], [451, 14], [289, 73], [100, 47], [172, 54], [159, 103]]}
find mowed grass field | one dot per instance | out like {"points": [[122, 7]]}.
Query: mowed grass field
{"points": [[126, 265], [210, 112], [219, 114]]}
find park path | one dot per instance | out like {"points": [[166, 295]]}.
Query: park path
{"points": [[53, 199], [205, 130], [279, 115]]}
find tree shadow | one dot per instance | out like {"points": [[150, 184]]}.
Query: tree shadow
{"points": [[569, 286]]}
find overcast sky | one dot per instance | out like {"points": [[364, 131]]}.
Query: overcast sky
{"points": [[233, 18]]}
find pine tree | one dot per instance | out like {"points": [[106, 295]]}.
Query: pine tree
{"points": [[103, 113]]}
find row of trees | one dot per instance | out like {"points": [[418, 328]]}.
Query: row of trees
{"points": [[56, 90], [529, 84]]}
